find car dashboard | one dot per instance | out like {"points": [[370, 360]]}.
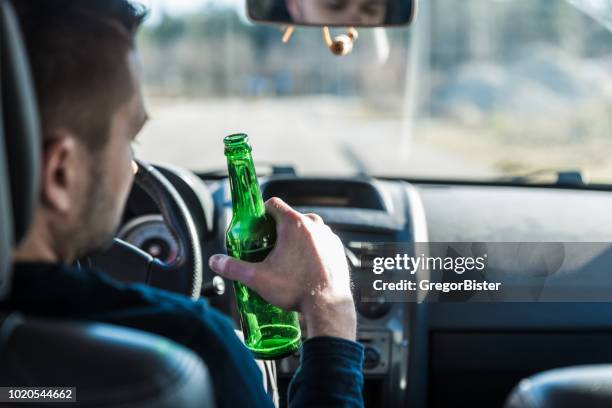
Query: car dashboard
{"points": [[368, 211]]}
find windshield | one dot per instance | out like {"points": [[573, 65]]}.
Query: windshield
{"points": [[475, 89]]}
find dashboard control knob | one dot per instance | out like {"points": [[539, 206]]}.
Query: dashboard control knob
{"points": [[216, 287], [372, 358], [374, 310]]}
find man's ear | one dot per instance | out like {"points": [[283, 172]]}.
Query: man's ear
{"points": [[60, 172]]}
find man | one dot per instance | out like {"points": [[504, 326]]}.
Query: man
{"points": [[85, 69], [338, 12]]}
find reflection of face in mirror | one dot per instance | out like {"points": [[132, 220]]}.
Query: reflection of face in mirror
{"points": [[338, 12]]}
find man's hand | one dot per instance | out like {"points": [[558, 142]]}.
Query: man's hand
{"points": [[306, 271]]}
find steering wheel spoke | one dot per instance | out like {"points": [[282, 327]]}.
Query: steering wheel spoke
{"points": [[128, 263]]}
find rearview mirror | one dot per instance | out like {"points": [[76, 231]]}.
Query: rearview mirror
{"points": [[334, 13]]}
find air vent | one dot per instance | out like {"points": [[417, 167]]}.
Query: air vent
{"points": [[325, 193]]}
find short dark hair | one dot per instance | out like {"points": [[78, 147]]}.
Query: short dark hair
{"points": [[77, 51]]}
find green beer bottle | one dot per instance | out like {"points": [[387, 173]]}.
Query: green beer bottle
{"points": [[269, 332]]}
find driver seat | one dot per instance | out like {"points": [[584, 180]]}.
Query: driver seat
{"points": [[106, 366]]}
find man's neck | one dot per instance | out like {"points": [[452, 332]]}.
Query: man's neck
{"points": [[33, 252], [36, 245]]}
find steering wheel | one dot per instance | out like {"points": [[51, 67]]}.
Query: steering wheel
{"points": [[127, 263]]}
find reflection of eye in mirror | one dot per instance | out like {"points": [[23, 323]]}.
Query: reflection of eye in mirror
{"points": [[357, 13], [338, 12]]}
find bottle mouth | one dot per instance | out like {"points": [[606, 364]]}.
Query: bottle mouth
{"points": [[236, 143], [235, 139]]}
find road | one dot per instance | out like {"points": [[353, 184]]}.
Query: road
{"points": [[318, 136]]}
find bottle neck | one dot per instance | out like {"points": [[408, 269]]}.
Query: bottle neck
{"points": [[246, 196]]}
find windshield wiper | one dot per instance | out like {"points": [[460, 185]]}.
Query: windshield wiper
{"points": [[569, 178], [355, 160]]}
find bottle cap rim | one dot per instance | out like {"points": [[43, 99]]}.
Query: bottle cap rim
{"points": [[237, 138], [236, 144]]}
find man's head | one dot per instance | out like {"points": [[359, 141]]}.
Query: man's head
{"points": [[85, 70], [338, 12]]}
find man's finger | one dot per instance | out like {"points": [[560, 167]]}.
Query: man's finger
{"points": [[280, 210], [315, 217], [233, 269]]}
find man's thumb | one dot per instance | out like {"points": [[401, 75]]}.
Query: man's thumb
{"points": [[232, 269]]}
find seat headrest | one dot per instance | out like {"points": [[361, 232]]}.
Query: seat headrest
{"points": [[20, 150], [586, 386], [110, 366], [21, 121]]}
